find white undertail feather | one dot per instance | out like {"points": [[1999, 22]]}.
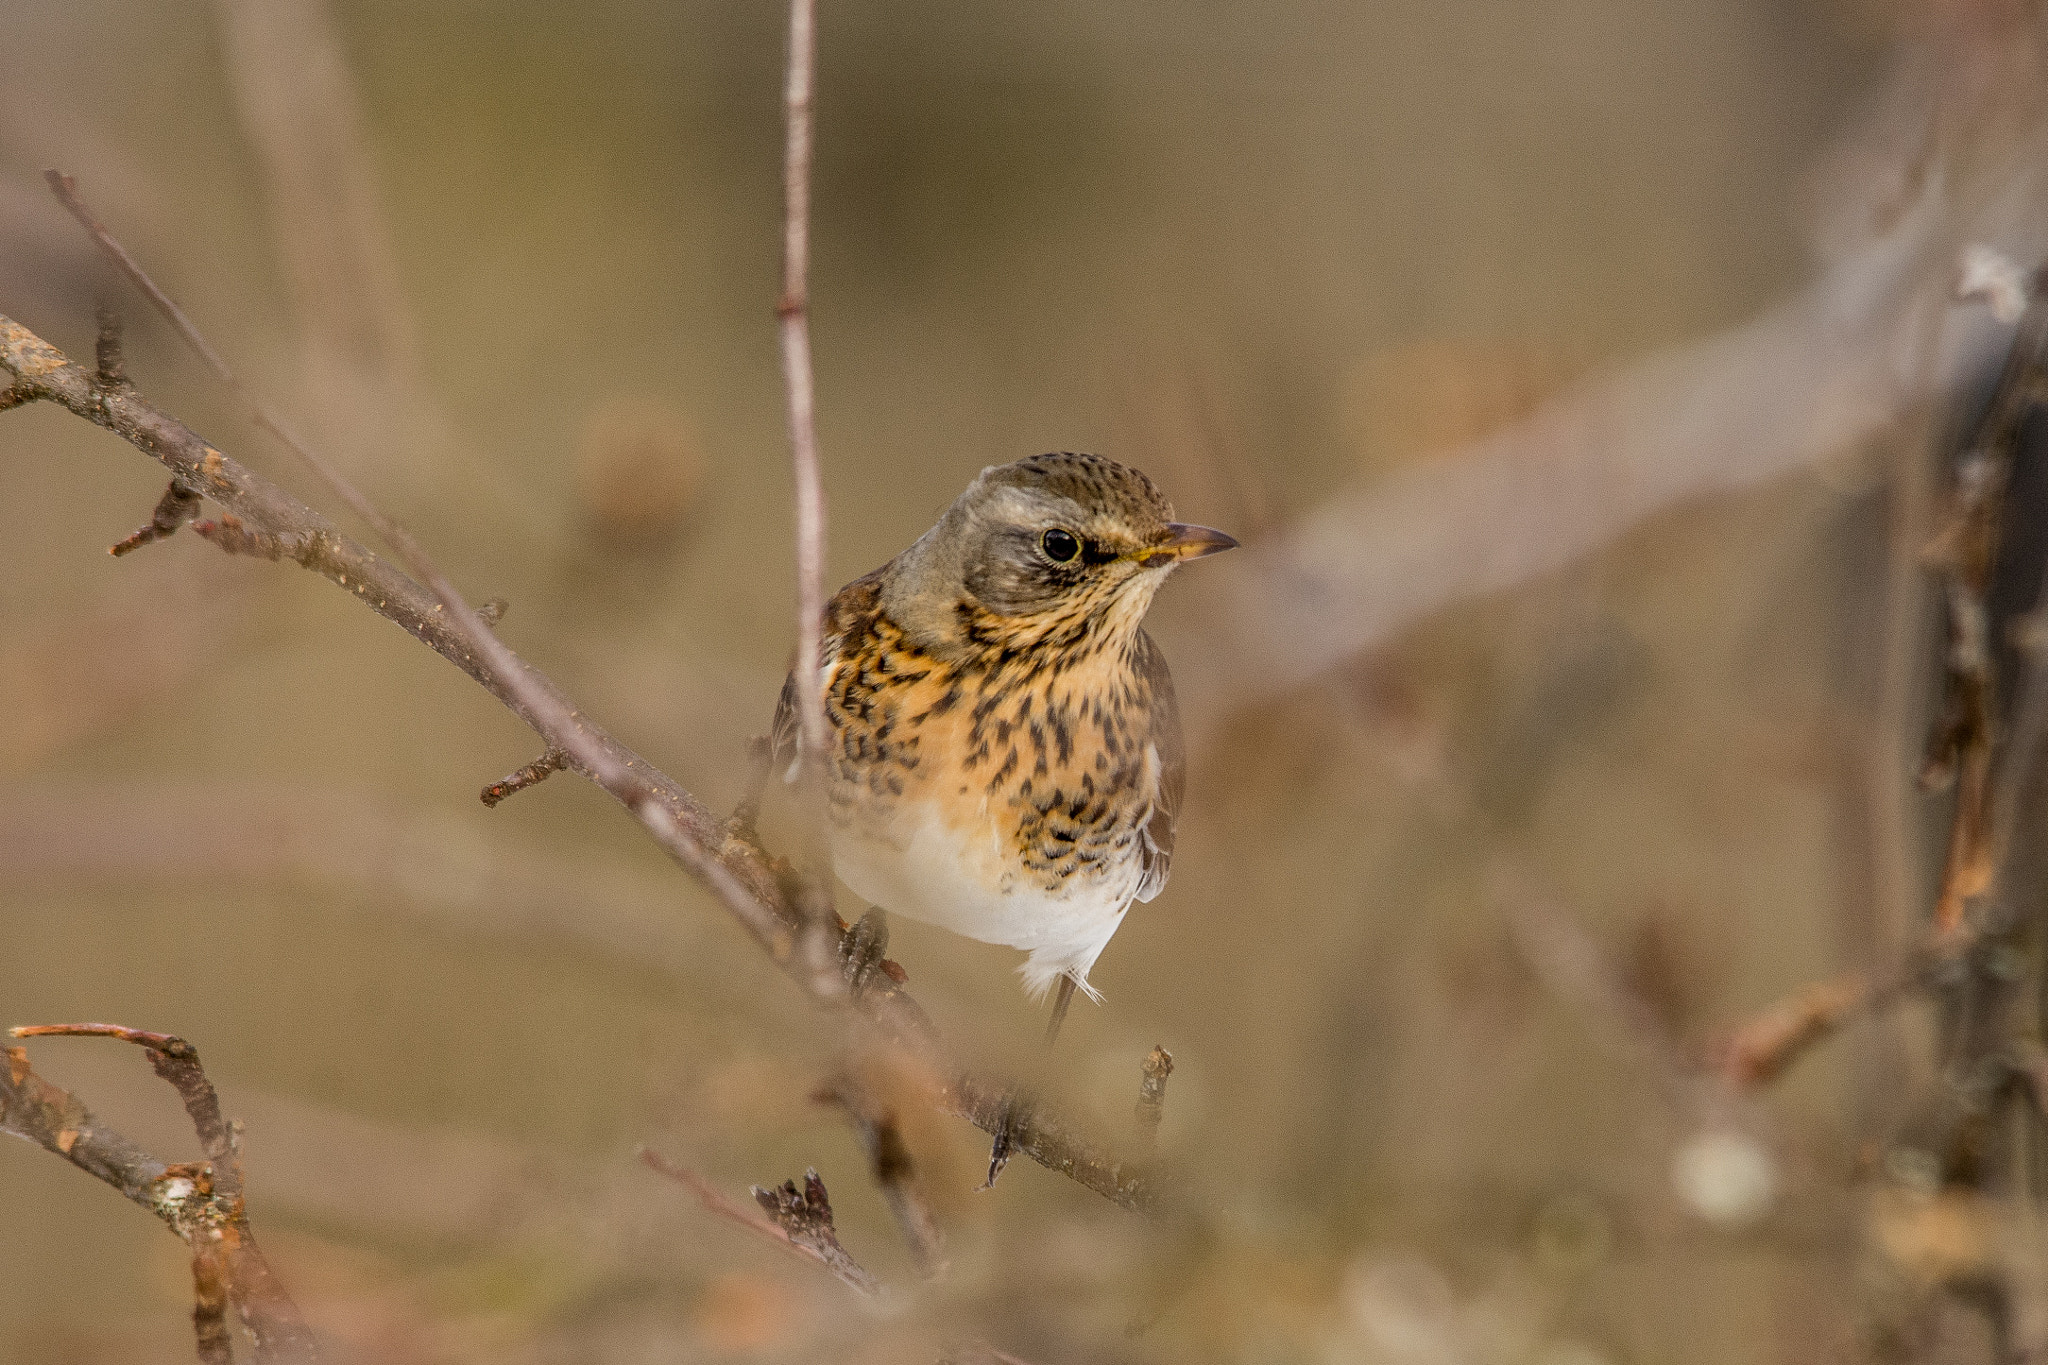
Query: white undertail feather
{"points": [[1043, 969]]}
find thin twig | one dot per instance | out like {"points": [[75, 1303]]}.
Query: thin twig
{"points": [[1152, 1093], [551, 761], [178, 505], [112, 366], [793, 315], [793, 1235]]}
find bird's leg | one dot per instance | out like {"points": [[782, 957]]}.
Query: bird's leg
{"points": [[1006, 1122], [760, 755], [1061, 999]]}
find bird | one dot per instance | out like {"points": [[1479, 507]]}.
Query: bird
{"points": [[1004, 755]]}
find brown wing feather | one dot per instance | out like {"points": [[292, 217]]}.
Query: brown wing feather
{"points": [[1157, 841], [850, 613]]}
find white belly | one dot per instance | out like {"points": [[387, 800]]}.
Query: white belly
{"points": [[956, 877]]}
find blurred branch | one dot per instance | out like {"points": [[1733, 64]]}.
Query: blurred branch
{"points": [[201, 1201], [978, 1353], [1964, 748], [894, 1172], [297, 105], [265, 519], [1152, 1093], [1806, 380]]}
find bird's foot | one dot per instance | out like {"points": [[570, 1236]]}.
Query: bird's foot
{"points": [[864, 951]]}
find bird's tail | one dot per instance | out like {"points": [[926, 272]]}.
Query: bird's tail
{"points": [[1042, 971]]}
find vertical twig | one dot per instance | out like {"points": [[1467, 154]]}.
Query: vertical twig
{"points": [[793, 314], [1152, 1093]]}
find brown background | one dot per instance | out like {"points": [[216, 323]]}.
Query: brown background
{"points": [[514, 265]]}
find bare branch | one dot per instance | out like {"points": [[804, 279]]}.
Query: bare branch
{"points": [[805, 1217], [177, 1061], [261, 518], [793, 314], [200, 1201], [1152, 1093], [551, 761], [1804, 381], [178, 505], [113, 368], [794, 1233], [487, 659], [1051, 1142], [265, 520]]}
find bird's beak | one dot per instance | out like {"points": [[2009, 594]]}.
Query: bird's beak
{"points": [[1185, 542]]}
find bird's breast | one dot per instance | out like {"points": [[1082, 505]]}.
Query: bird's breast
{"points": [[998, 800]]}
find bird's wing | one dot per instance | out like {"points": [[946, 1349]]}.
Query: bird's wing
{"points": [[849, 614], [1157, 841]]}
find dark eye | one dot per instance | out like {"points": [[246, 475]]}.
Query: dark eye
{"points": [[1059, 546]]}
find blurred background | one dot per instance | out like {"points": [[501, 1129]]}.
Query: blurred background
{"points": [[514, 265]]}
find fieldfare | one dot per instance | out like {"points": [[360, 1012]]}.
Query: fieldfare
{"points": [[1004, 752]]}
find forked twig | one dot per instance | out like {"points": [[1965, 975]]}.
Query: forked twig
{"points": [[199, 1201]]}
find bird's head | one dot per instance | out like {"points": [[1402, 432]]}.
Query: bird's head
{"points": [[1057, 549]]}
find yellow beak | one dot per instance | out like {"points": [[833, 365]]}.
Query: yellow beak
{"points": [[1186, 542]]}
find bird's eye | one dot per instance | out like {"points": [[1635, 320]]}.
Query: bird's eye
{"points": [[1059, 546]]}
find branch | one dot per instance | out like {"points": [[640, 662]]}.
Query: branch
{"points": [[265, 519], [793, 313], [551, 761], [1964, 746], [894, 1172], [464, 631], [1802, 382], [805, 1218], [200, 1201], [802, 1224], [1152, 1093]]}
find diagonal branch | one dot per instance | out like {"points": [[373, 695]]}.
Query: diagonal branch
{"points": [[745, 878]]}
